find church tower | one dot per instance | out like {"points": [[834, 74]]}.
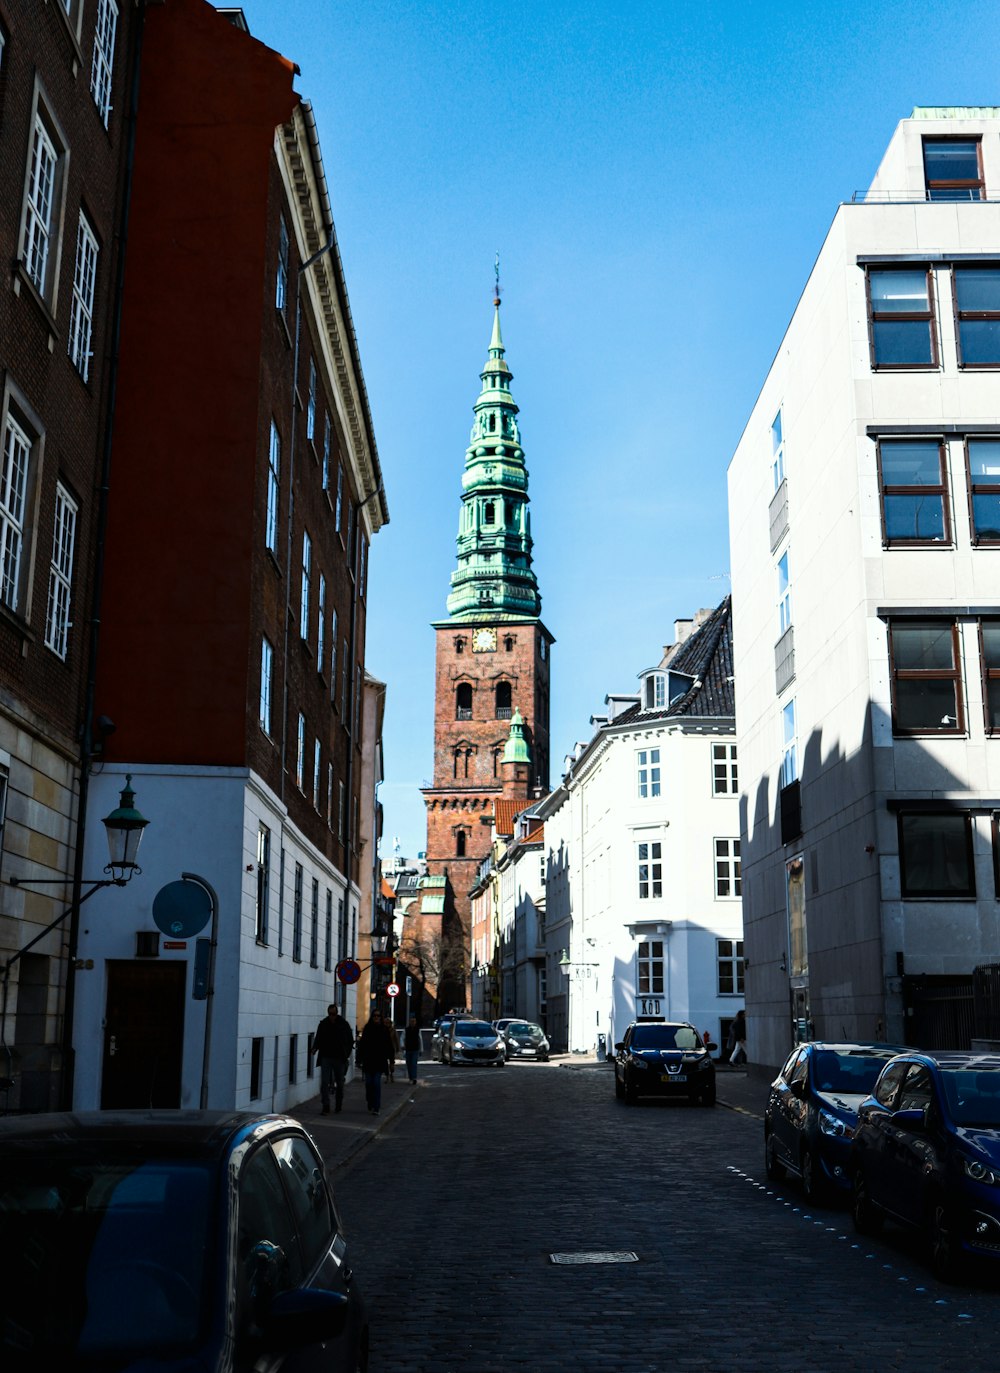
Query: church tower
{"points": [[491, 707]]}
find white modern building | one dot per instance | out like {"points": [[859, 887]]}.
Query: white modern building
{"points": [[864, 502], [643, 880]]}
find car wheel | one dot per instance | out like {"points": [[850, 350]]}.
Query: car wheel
{"points": [[631, 1095], [708, 1095], [947, 1260], [774, 1170], [812, 1178], [867, 1216]]}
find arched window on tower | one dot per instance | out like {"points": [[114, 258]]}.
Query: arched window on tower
{"points": [[497, 755], [460, 843], [463, 701], [493, 423], [489, 512], [503, 701], [508, 643], [459, 645]]}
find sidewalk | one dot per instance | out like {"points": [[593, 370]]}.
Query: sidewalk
{"points": [[340, 1135]]}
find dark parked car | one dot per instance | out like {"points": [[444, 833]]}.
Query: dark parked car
{"points": [[658, 1058], [471, 1041], [927, 1152], [524, 1040], [181, 1240], [812, 1110]]}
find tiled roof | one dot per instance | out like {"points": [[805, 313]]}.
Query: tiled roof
{"points": [[707, 656], [504, 814]]}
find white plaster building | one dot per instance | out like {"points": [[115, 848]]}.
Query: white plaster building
{"points": [[864, 503], [642, 902]]}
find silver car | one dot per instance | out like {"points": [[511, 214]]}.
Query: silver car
{"points": [[471, 1041]]}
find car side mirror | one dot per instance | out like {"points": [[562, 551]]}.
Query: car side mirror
{"points": [[711, 1047], [911, 1119], [620, 1044], [304, 1316], [797, 1088]]}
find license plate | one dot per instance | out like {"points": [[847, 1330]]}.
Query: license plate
{"points": [[673, 1077]]}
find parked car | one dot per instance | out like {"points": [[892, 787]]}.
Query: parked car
{"points": [[471, 1041], [442, 1022], [525, 1040], [927, 1152], [658, 1058], [180, 1240], [501, 1025], [812, 1110]]}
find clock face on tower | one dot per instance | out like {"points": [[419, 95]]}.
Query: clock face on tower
{"points": [[484, 641]]}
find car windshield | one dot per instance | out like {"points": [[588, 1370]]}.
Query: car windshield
{"points": [[525, 1031], [848, 1070], [474, 1029], [973, 1096], [105, 1259], [666, 1037]]}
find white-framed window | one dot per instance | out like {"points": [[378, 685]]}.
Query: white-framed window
{"points": [[326, 453], [789, 745], [104, 57], [17, 448], [314, 931], [311, 402], [328, 947], [333, 654], [281, 277], [297, 915], [339, 507], [728, 879], [777, 451], [784, 595], [648, 772], [729, 960], [300, 753], [345, 687], [649, 857], [263, 883], [81, 310], [40, 218], [273, 489], [317, 774], [321, 622], [266, 685], [655, 691], [306, 584], [329, 794], [649, 967], [341, 811], [61, 573], [725, 778]]}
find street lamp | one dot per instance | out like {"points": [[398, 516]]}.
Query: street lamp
{"points": [[124, 825]]}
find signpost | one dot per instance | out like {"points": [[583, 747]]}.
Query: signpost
{"points": [[392, 989]]}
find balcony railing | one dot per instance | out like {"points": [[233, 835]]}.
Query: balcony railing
{"points": [[504, 712], [463, 713], [778, 514]]}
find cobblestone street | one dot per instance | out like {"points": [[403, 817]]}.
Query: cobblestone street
{"points": [[454, 1210]]}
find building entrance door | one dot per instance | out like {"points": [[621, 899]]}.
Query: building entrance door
{"points": [[143, 1035]]}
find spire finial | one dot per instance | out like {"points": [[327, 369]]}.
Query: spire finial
{"points": [[496, 274]]}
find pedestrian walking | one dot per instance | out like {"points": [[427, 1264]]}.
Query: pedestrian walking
{"points": [[738, 1039], [375, 1052], [332, 1046], [411, 1047]]}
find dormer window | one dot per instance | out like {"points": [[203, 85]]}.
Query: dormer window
{"points": [[654, 694]]}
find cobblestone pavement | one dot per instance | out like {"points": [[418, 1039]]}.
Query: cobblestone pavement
{"points": [[455, 1207]]}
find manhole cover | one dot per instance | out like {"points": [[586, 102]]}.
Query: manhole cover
{"points": [[596, 1256]]}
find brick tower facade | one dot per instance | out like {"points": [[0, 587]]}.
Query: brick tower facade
{"points": [[491, 708]]}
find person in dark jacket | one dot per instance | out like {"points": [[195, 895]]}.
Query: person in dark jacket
{"points": [[376, 1051], [332, 1046], [411, 1047], [738, 1036]]}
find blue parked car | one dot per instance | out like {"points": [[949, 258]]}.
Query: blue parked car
{"points": [[812, 1110], [927, 1152]]}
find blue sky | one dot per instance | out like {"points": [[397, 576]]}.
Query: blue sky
{"points": [[658, 179]]}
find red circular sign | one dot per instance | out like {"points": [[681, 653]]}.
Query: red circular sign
{"points": [[348, 971], [392, 989]]}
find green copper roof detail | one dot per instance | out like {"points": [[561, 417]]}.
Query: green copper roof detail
{"points": [[516, 748], [494, 575]]}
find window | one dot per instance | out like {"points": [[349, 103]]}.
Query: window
{"points": [[326, 453], [321, 622], [913, 485], [317, 770], [489, 512], [926, 680], [798, 933], [357, 702], [725, 778], [17, 446], [256, 1068], [338, 509], [341, 813], [728, 881], [364, 566], [341, 929], [61, 573], [300, 754], [329, 794], [729, 957], [273, 489], [463, 701], [333, 654], [789, 746], [650, 871], [307, 553], [901, 318], [784, 595], [328, 955], [983, 460], [41, 215], [266, 685], [503, 701], [104, 57], [81, 313], [977, 311], [952, 169], [777, 452], [314, 932], [311, 402], [263, 883], [989, 653], [649, 967], [655, 692], [281, 279], [345, 686], [460, 843], [648, 772], [297, 916], [935, 855], [293, 1059]]}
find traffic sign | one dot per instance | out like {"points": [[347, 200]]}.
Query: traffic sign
{"points": [[392, 989], [348, 971], [182, 909]]}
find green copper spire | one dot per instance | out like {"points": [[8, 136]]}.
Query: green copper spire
{"points": [[516, 748], [494, 576]]}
